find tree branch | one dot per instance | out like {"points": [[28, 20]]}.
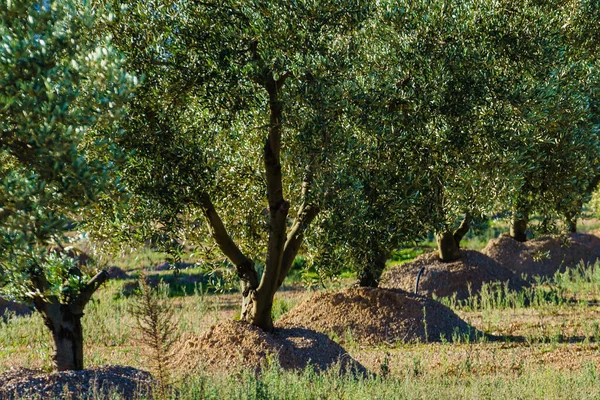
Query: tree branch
{"points": [[243, 265], [462, 229], [86, 293], [294, 239], [278, 206]]}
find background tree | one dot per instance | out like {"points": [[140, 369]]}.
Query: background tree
{"points": [[438, 73], [55, 86], [558, 161]]}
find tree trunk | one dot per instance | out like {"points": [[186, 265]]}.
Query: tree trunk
{"points": [[67, 333], [518, 226], [370, 275], [572, 223], [257, 309], [448, 249], [68, 340], [64, 320]]}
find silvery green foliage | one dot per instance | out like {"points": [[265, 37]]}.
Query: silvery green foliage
{"points": [[198, 123], [558, 90], [57, 87]]}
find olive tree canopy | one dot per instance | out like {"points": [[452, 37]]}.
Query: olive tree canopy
{"points": [[56, 86]]}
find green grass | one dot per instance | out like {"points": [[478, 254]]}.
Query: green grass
{"points": [[577, 285]]}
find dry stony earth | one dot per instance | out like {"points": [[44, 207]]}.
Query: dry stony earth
{"points": [[231, 345], [373, 316], [544, 255], [30, 384], [462, 277]]}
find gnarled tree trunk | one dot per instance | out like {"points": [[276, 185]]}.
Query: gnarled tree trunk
{"points": [[518, 226], [448, 249], [449, 242], [283, 245], [571, 221], [370, 275], [68, 336], [64, 321]]}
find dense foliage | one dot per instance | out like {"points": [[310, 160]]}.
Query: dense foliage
{"points": [[56, 86], [261, 129]]}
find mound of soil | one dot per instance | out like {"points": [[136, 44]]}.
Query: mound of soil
{"points": [[373, 316], [545, 255], [19, 309], [463, 277], [127, 382], [234, 345]]}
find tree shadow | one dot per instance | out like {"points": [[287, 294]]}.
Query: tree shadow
{"points": [[312, 348]]}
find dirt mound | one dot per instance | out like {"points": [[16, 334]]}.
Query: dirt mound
{"points": [[127, 382], [233, 345], [372, 316], [19, 309], [545, 255], [463, 277]]}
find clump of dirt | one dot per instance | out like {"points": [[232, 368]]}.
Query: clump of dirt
{"points": [[18, 309], [463, 277], [235, 345], [101, 382], [546, 255], [375, 315]]}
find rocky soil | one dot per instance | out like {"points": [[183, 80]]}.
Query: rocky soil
{"points": [[373, 316], [235, 345], [99, 382], [546, 255], [463, 277]]}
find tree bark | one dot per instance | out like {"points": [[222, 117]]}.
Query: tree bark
{"points": [[67, 333], [518, 226], [571, 222], [448, 249], [64, 321], [449, 242], [370, 275]]}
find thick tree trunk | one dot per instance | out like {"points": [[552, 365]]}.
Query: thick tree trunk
{"points": [[370, 275], [64, 320], [257, 309], [68, 340], [448, 249], [518, 226], [449, 242]]}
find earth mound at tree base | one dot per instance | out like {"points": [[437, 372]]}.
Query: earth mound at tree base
{"points": [[373, 316], [546, 255], [462, 278], [101, 382], [235, 345]]}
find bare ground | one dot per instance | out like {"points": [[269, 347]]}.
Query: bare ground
{"points": [[373, 316], [463, 277], [235, 345], [29, 384], [545, 255]]}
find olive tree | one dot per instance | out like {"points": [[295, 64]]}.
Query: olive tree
{"points": [[559, 157], [443, 93], [55, 87], [235, 130]]}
